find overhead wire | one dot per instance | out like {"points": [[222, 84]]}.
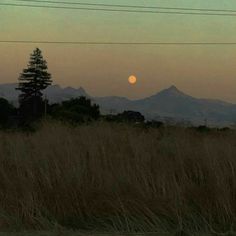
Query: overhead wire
{"points": [[116, 43], [118, 10], [208, 12], [127, 6]]}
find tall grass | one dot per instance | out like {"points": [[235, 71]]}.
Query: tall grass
{"points": [[111, 177]]}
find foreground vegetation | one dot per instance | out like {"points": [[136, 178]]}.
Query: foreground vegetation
{"points": [[114, 177]]}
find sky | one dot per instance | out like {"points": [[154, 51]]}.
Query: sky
{"points": [[102, 70]]}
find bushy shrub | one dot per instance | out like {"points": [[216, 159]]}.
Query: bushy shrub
{"points": [[6, 111], [76, 110]]}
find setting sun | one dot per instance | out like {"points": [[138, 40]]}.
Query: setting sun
{"points": [[132, 79]]}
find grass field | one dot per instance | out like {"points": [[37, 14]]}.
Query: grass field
{"points": [[118, 178], [71, 233]]}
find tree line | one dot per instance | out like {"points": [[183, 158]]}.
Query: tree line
{"points": [[33, 106]]}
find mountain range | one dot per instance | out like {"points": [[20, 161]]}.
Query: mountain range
{"points": [[170, 104]]}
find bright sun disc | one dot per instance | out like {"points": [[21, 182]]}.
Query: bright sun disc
{"points": [[132, 79]]}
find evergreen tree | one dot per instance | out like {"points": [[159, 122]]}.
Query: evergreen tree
{"points": [[32, 81]]}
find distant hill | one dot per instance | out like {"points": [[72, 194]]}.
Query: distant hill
{"points": [[54, 93], [8, 92], [170, 103], [173, 103]]}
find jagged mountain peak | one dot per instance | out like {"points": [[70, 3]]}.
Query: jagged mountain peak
{"points": [[81, 89], [169, 93], [172, 90], [74, 90]]}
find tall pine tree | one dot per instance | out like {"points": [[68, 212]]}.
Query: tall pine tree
{"points": [[32, 81]]}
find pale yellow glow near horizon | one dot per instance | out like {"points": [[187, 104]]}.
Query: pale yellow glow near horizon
{"points": [[132, 79]]}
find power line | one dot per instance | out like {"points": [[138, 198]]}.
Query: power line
{"points": [[117, 10], [127, 6], [117, 43]]}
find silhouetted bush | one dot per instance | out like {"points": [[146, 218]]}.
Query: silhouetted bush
{"points": [[26, 116], [154, 124], [76, 110], [126, 116], [132, 116], [203, 128], [224, 129], [7, 110]]}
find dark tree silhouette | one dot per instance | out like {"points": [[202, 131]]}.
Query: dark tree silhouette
{"points": [[32, 81], [126, 116], [131, 116], [76, 110], [6, 111]]}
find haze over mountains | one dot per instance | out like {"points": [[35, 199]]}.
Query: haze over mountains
{"points": [[169, 104]]}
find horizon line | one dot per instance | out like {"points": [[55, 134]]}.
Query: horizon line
{"points": [[135, 99]]}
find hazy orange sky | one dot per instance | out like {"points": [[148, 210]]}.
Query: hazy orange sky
{"points": [[202, 71]]}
